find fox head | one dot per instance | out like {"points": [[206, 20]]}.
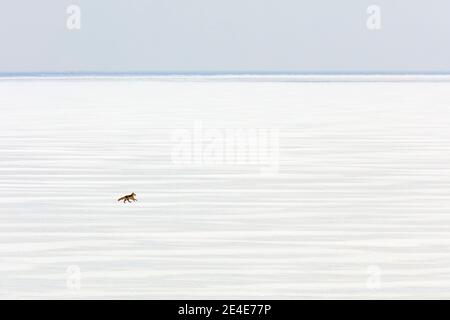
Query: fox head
{"points": [[133, 195]]}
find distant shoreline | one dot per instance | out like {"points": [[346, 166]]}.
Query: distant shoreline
{"points": [[237, 77]]}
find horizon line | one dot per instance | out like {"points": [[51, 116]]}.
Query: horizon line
{"points": [[237, 73], [244, 76]]}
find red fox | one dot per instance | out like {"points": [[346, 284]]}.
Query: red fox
{"points": [[128, 198]]}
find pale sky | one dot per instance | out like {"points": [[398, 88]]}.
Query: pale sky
{"points": [[201, 36]]}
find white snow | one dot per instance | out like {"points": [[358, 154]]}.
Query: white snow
{"points": [[359, 206]]}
